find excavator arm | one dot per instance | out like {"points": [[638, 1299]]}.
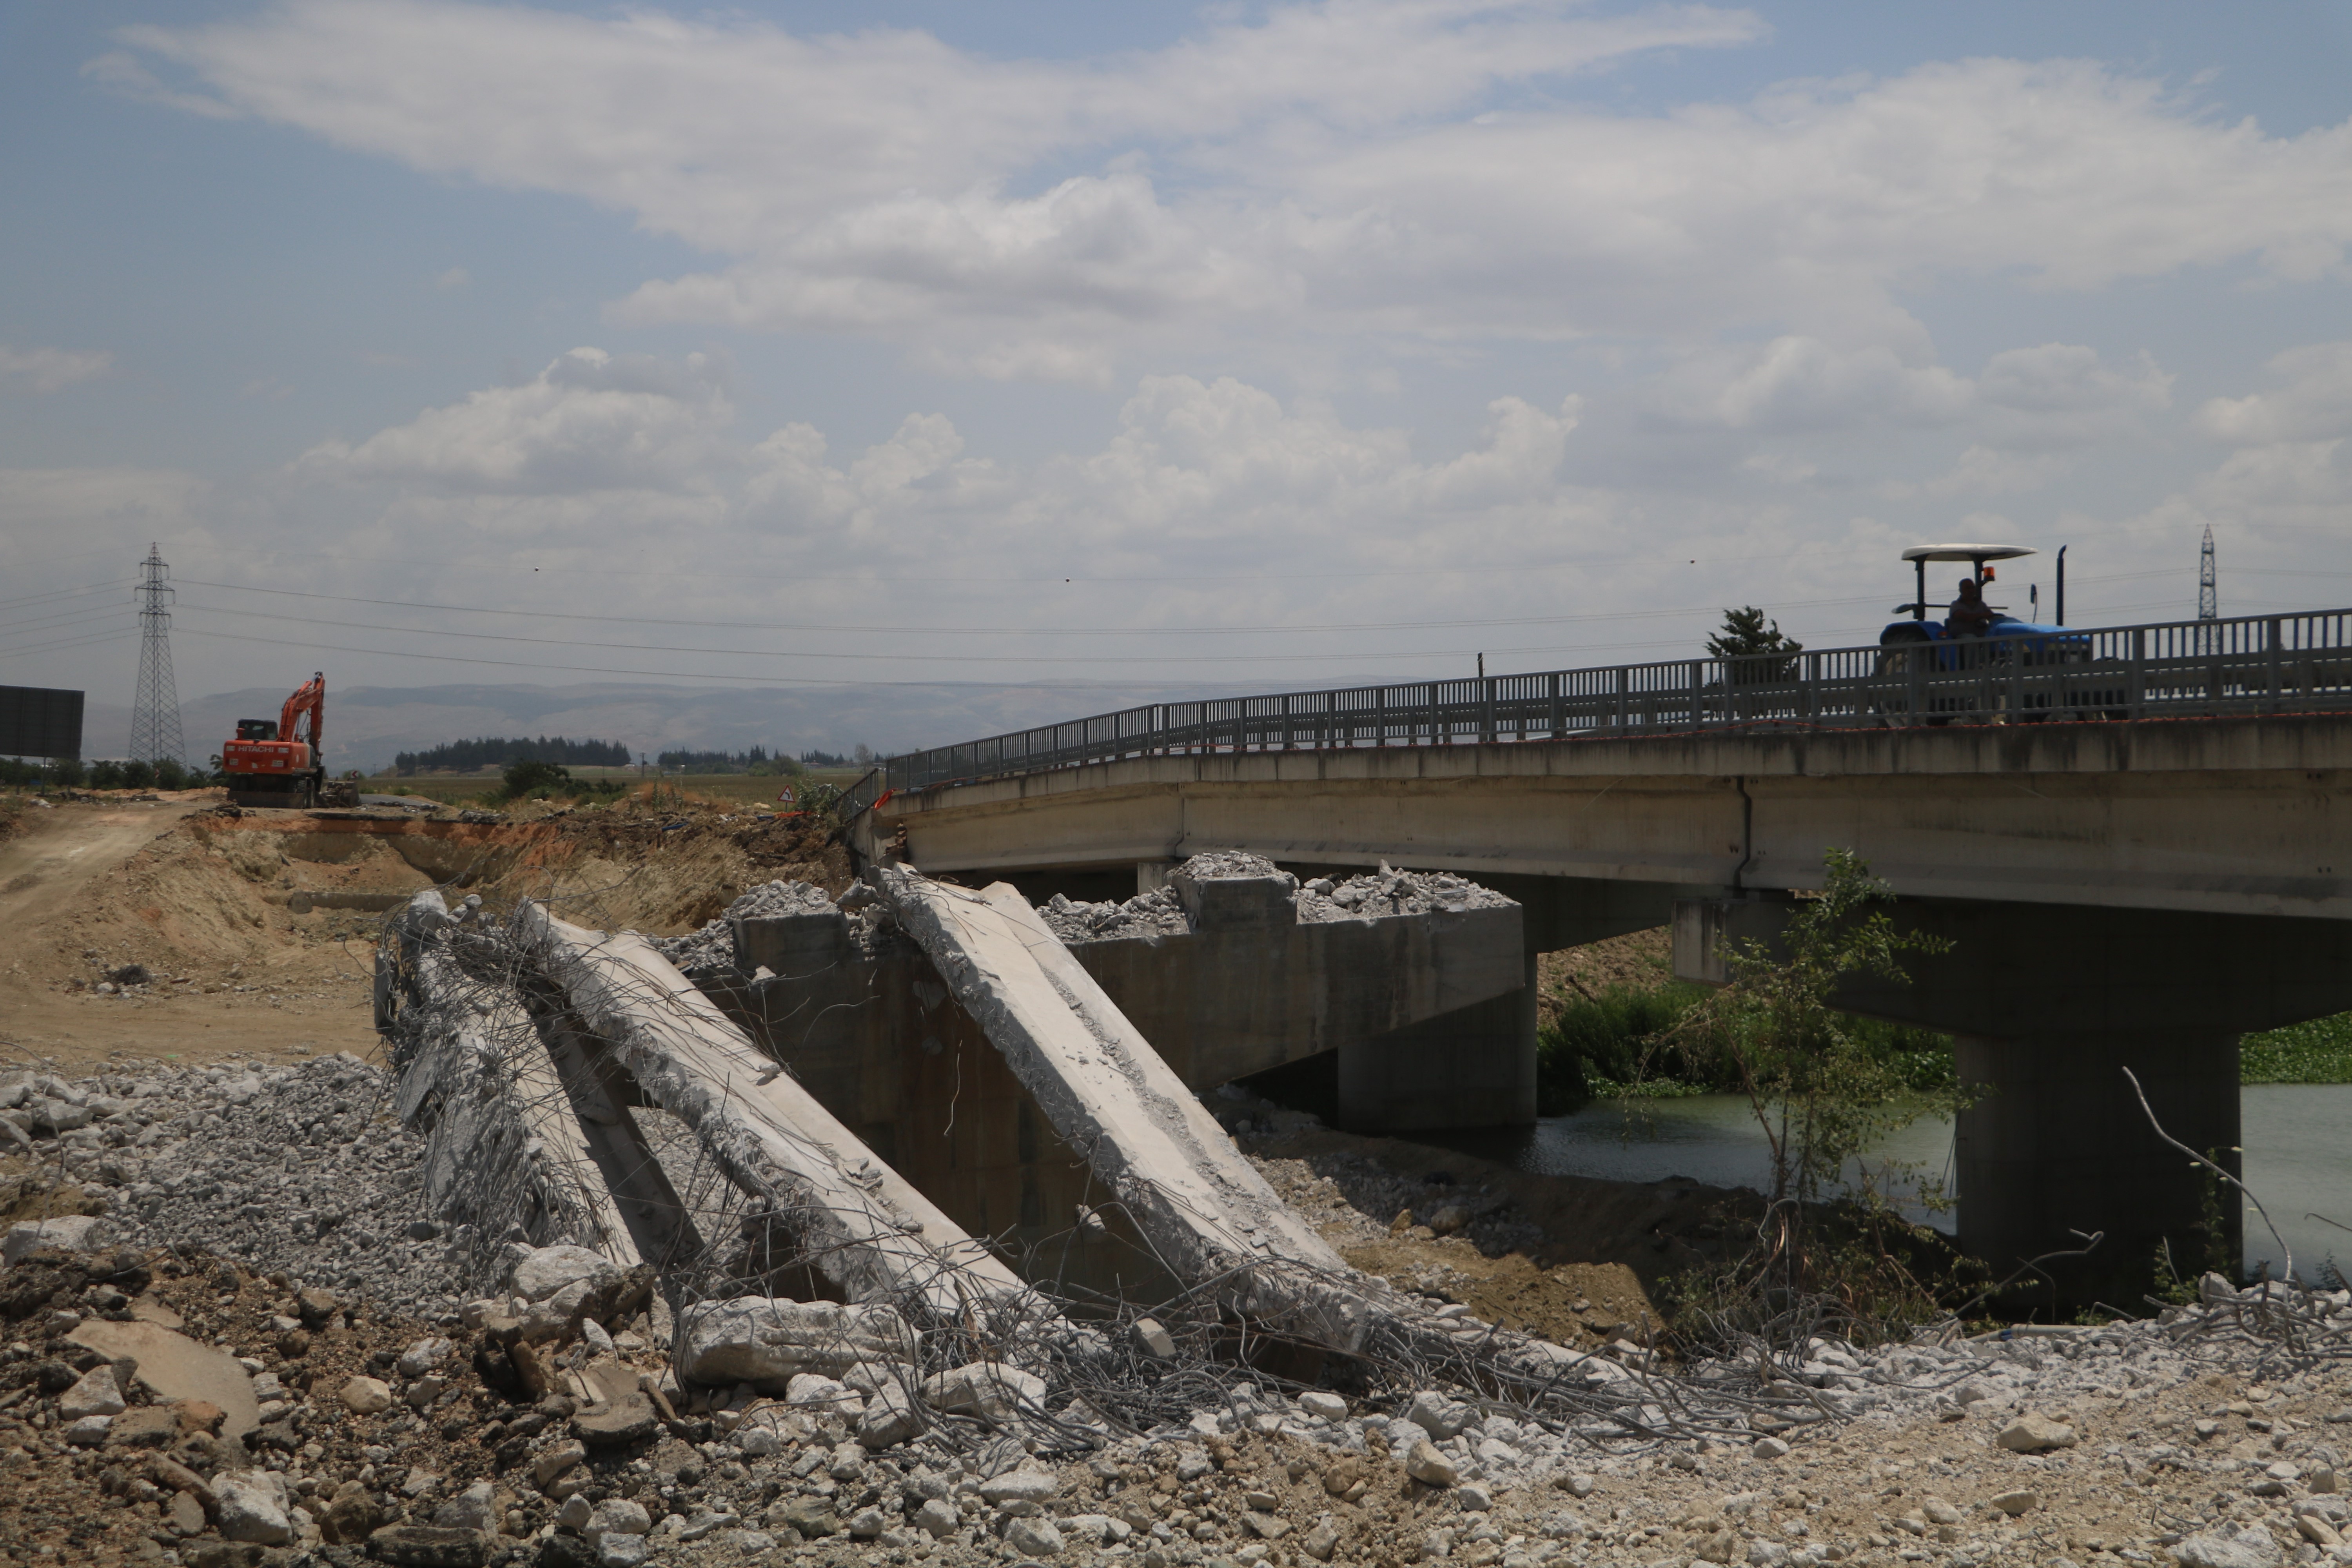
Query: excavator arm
{"points": [[309, 701]]}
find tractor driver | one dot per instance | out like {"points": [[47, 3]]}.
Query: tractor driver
{"points": [[1969, 615]]}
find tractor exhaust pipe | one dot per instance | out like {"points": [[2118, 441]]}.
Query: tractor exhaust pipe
{"points": [[2061, 588]]}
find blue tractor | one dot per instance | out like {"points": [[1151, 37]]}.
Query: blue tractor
{"points": [[1981, 637]]}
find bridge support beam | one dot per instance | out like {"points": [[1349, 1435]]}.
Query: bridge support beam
{"points": [[2061, 1146], [2049, 1004], [1475, 1067]]}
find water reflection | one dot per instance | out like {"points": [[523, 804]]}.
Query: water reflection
{"points": [[2298, 1156]]}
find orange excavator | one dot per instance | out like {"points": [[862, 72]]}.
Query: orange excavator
{"points": [[278, 761]]}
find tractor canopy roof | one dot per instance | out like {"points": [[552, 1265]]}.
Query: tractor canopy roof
{"points": [[1968, 552]]}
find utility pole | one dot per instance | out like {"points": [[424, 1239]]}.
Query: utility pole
{"points": [[2209, 597], [155, 711]]}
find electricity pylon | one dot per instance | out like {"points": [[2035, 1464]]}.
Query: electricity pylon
{"points": [[155, 714]]}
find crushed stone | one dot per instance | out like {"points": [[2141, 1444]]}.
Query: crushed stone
{"points": [[238, 1165], [1369, 895]]}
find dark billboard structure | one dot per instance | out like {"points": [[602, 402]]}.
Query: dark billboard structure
{"points": [[40, 722]]}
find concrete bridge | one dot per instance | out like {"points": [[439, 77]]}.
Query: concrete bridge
{"points": [[2131, 890]]}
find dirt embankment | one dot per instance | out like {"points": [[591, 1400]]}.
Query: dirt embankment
{"points": [[1638, 961], [170, 927]]}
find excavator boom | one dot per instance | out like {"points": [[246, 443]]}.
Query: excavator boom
{"points": [[309, 701]]}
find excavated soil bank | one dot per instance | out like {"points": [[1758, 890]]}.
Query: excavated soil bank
{"points": [[171, 928]]}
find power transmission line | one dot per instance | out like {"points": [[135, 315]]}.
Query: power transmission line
{"points": [[155, 712]]}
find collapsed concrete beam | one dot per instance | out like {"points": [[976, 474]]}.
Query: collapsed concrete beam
{"points": [[1202, 1206], [869, 1231], [504, 1146], [666, 1233]]}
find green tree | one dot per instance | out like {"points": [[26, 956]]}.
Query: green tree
{"points": [[1825, 1096], [521, 778], [1747, 637]]}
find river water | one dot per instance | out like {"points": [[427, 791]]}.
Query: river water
{"points": [[2298, 1157]]}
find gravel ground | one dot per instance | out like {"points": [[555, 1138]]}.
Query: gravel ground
{"points": [[2142, 1449], [301, 1170]]}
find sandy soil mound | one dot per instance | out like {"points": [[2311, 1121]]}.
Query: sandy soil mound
{"points": [[174, 927]]}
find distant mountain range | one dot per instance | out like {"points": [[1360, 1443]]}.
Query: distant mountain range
{"points": [[367, 725]]}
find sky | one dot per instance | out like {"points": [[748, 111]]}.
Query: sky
{"points": [[1256, 347]]}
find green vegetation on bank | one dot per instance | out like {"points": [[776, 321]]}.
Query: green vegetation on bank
{"points": [[464, 756], [1617, 1042], [2317, 1052], [1621, 1042]]}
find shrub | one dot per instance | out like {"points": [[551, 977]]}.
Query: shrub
{"points": [[525, 777]]}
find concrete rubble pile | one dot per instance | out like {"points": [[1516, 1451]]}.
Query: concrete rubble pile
{"points": [[548, 1423], [973, 1336], [823, 1356], [1162, 910], [614, 1009]]}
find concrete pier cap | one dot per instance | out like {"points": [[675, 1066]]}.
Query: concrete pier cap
{"points": [[2047, 1004]]}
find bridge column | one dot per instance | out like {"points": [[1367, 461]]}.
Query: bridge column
{"points": [[1475, 1067], [2060, 1145], [2049, 1004]]}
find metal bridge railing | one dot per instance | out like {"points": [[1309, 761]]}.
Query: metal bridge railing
{"points": [[2260, 664]]}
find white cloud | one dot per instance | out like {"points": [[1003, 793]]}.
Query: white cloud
{"points": [[48, 370], [589, 422], [1353, 166], [455, 279], [1801, 383], [2316, 404]]}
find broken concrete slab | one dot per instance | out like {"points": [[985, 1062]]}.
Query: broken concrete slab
{"points": [[767, 1342], [868, 1230], [69, 1233], [174, 1366], [504, 1147], [1203, 1208]]}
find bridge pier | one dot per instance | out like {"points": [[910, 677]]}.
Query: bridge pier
{"points": [[1475, 1067], [2048, 1005], [2060, 1144]]}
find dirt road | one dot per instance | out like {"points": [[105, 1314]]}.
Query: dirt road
{"points": [[213, 907], [71, 881], [64, 849]]}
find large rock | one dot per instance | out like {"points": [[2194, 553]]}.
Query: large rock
{"points": [[617, 1516], [630, 1418], [767, 1342], [428, 1546], [422, 1357], [990, 1390], [69, 1233], [95, 1393], [475, 1508], [890, 1418], [364, 1395], [543, 1271], [2033, 1433], [1034, 1537], [351, 1515], [2250, 1547], [1023, 1485], [253, 1507], [1424, 1463]]}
